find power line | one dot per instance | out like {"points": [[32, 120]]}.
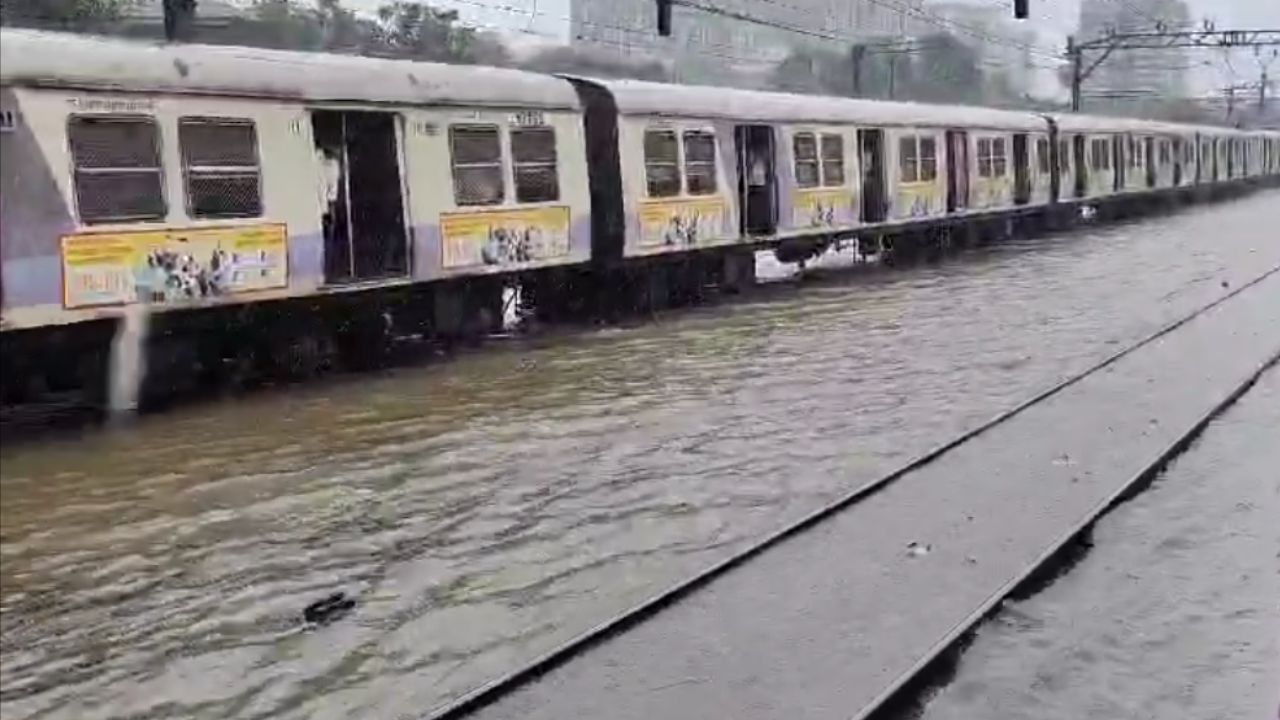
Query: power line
{"points": [[905, 11], [989, 62]]}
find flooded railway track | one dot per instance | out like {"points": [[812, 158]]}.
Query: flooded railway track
{"points": [[483, 513], [892, 698]]}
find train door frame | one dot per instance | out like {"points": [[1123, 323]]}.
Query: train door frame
{"points": [[1079, 145], [1055, 163], [1177, 150], [1021, 169], [1199, 141], [957, 170], [1149, 152], [872, 165], [366, 229], [757, 182], [1119, 159]]}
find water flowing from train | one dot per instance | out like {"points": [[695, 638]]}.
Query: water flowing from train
{"points": [[127, 368]]}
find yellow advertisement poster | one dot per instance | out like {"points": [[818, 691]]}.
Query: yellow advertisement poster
{"points": [[822, 207], [172, 264], [917, 200], [504, 237], [991, 193], [681, 223]]}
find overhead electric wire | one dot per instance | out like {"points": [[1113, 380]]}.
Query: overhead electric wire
{"points": [[989, 62]]}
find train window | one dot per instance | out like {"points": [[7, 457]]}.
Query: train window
{"points": [[1099, 156], [700, 162], [118, 176], [476, 151], [805, 146], [984, 157], [833, 160], [909, 159], [918, 159], [1163, 154], [1064, 157], [999, 160], [662, 163], [928, 159], [533, 156], [1042, 155], [220, 163]]}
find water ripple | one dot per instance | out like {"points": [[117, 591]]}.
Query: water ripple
{"points": [[486, 510]]}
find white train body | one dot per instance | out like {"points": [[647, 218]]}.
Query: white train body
{"points": [[188, 176], [171, 111]]}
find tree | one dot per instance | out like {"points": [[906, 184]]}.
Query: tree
{"points": [[946, 70], [419, 31], [68, 15], [410, 30], [797, 73], [811, 70]]}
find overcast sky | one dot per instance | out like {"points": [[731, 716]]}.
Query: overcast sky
{"points": [[1056, 17], [1053, 20]]}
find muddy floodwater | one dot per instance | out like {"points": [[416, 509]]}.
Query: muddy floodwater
{"points": [[484, 510], [1170, 615]]}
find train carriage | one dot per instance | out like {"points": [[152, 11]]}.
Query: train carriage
{"points": [[314, 204], [701, 167], [1123, 157], [180, 174]]}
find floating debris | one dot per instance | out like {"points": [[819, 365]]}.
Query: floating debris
{"points": [[915, 549], [334, 607]]}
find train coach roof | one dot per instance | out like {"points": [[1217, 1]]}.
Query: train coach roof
{"points": [[1105, 124], [73, 61], [638, 97]]}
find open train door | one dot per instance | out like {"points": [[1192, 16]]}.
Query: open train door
{"points": [[363, 215], [1021, 170], [871, 154], [757, 179], [957, 171]]}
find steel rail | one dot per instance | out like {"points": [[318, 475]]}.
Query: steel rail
{"points": [[504, 685]]}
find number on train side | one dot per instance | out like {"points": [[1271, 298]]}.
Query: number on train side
{"points": [[528, 118]]}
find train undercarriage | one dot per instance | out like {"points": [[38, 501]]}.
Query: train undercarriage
{"points": [[70, 370]]}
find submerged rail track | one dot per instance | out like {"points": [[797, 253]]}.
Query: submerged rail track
{"points": [[893, 692]]}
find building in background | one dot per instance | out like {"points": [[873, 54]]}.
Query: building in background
{"points": [[1142, 82], [710, 48], [1005, 46]]}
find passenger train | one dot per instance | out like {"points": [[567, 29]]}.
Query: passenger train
{"points": [[309, 193]]}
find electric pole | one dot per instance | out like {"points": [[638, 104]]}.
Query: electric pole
{"points": [[179, 20], [1157, 40], [1077, 75], [857, 54], [1263, 66]]}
